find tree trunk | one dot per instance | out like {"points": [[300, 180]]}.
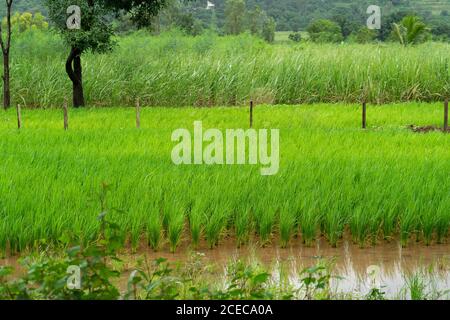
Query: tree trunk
{"points": [[75, 73], [5, 46], [78, 94], [6, 86]]}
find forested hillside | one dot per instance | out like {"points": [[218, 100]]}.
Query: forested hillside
{"points": [[24, 5], [297, 14]]}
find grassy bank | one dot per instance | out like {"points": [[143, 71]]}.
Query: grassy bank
{"points": [[173, 70], [334, 177]]}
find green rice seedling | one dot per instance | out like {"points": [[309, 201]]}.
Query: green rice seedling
{"points": [[442, 218], [442, 227], [334, 227], [375, 223], [428, 222], [214, 227], [333, 176], [309, 225], [175, 230], [334, 220], [196, 216], [154, 229], [408, 226], [265, 215], [175, 224], [416, 287], [266, 224], [136, 233], [389, 221], [359, 226], [287, 222], [243, 221], [218, 213]]}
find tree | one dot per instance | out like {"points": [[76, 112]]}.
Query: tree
{"points": [[255, 18], [441, 30], [268, 31], [235, 12], [411, 30], [387, 24], [295, 36], [323, 30], [95, 33], [6, 46], [260, 24], [364, 35], [189, 24], [27, 21], [348, 19]]}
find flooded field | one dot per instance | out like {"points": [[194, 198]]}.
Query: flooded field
{"points": [[387, 266], [355, 271]]}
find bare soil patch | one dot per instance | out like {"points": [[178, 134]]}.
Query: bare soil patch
{"points": [[426, 129]]}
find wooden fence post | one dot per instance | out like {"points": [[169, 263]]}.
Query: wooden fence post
{"points": [[446, 115], [251, 113], [19, 117], [364, 115], [138, 113], [66, 115]]}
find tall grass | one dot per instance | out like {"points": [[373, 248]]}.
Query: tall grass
{"points": [[174, 70], [382, 183]]}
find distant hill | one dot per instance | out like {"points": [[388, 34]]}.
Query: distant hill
{"points": [[296, 14], [24, 5]]}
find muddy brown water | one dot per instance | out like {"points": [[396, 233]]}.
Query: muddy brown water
{"points": [[392, 263]]}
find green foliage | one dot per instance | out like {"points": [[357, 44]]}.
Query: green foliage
{"points": [[21, 6], [95, 33], [316, 282], [48, 277], [411, 30], [388, 190], [349, 15], [296, 36], [376, 294], [163, 68], [418, 286], [235, 16], [268, 29], [96, 29], [239, 19], [27, 21], [365, 35], [322, 31], [189, 24], [255, 18]]}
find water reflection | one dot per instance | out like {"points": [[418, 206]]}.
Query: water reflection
{"points": [[394, 263]]}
